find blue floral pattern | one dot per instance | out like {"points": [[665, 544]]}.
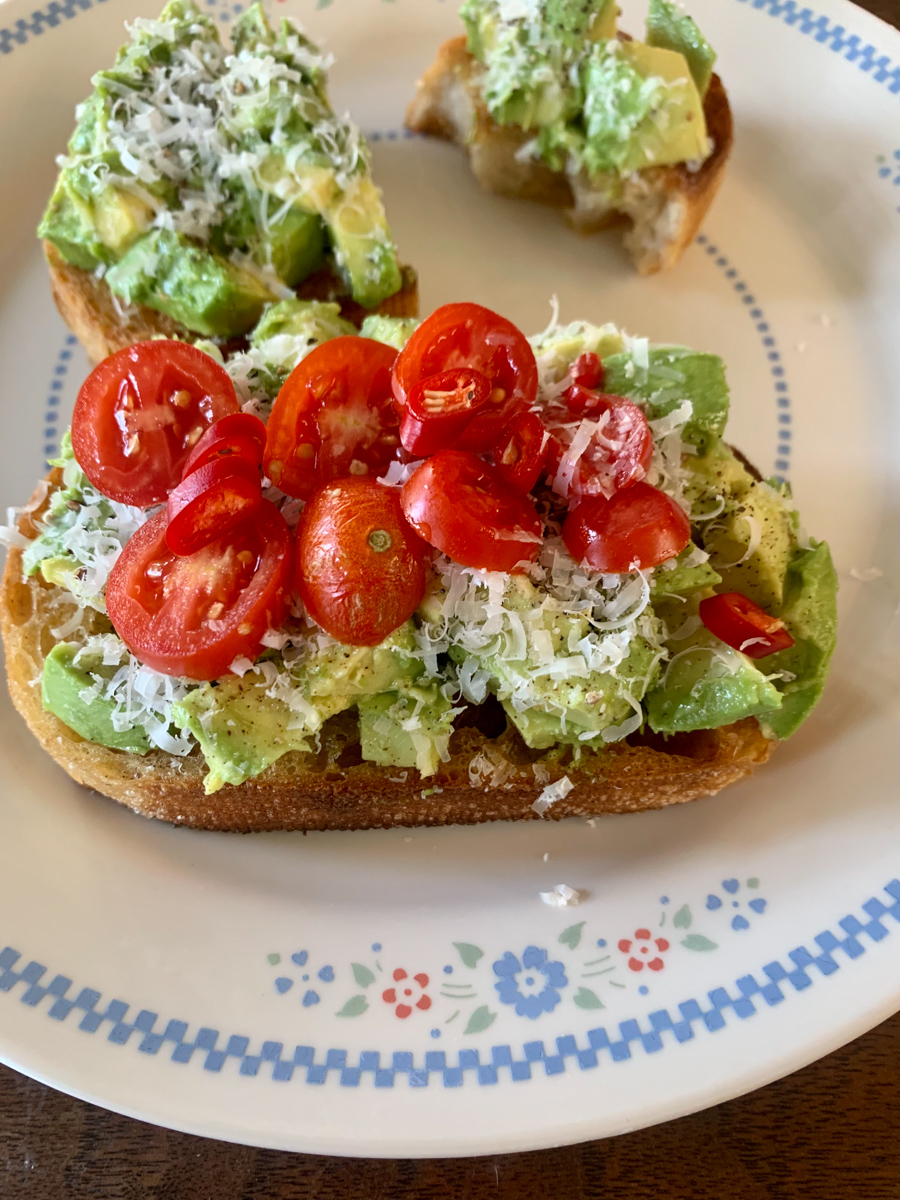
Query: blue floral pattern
{"points": [[531, 985]]}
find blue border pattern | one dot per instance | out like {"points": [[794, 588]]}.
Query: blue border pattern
{"points": [[51, 412], [151, 1035]]}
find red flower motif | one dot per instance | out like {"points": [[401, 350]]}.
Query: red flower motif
{"points": [[644, 944], [403, 996]]}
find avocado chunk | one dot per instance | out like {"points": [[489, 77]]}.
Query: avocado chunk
{"points": [[201, 290], [93, 228], [393, 331], [71, 693], [672, 29], [672, 375], [641, 109], [684, 577], [312, 321], [407, 728], [240, 728], [293, 242], [810, 613], [708, 685]]}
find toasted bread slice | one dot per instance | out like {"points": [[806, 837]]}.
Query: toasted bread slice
{"points": [[665, 206], [102, 326], [488, 778]]}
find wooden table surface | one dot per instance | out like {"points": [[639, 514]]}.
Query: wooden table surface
{"points": [[829, 1132]]}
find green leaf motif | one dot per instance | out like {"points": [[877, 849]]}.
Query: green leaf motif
{"points": [[274, 959], [480, 1019], [468, 953], [354, 1007], [696, 941], [362, 975], [754, 883], [585, 998], [683, 918], [572, 936]]}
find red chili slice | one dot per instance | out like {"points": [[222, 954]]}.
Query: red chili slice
{"points": [[239, 434], [638, 528], [740, 623], [439, 409], [210, 502], [520, 459], [587, 370]]}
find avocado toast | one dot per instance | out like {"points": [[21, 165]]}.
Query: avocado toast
{"points": [[203, 182], [554, 685], [552, 103]]}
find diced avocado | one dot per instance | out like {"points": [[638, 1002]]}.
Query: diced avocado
{"points": [[313, 320], [408, 728], [89, 228], [64, 689], [758, 516], [203, 291], [241, 730], [296, 245], [675, 374], [810, 613], [708, 685], [290, 240], [361, 242], [641, 108], [681, 579], [393, 331], [672, 29]]}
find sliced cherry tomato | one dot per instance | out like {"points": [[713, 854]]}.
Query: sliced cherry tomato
{"points": [[520, 458], [587, 370], [361, 568], [194, 615], [584, 461], [461, 505], [239, 434], [334, 416], [141, 412], [467, 335], [638, 528], [739, 622], [439, 409], [210, 502]]}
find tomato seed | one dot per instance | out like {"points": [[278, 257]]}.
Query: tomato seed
{"points": [[358, 468], [304, 450], [498, 395], [244, 629], [216, 610], [133, 445], [195, 435], [181, 398]]}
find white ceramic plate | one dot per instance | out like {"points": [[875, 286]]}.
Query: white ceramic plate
{"points": [[241, 987]]}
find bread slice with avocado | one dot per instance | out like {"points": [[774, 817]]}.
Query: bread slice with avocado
{"points": [[205, 181], [580, 150]]}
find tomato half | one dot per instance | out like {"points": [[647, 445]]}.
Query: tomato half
{"points": [[361, 568], [520, 458], [334, 416], [467, 335], [193, 616], [608, 450], [210, 502], [239, 434], [737, 621], [141, 412], [638, 528], [440, 408], [461, 505]]}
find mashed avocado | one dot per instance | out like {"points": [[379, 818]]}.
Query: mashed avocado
{"points": [[577, 660], [206, 182], [594, 102]]}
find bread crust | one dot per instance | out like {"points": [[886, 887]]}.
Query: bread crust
{"points": [[664, 206], [90, 310], [334, 788]]}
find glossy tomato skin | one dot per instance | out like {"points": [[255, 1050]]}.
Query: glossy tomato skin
{"points": [[740, 623], [194, 616], [440, 408], [587, 370], [333, 417], [361, 568], [460, 505], [618, 454], [467, 335], [140, 413], [240, 434], [638, 528], [520, 458], [210, 502]]}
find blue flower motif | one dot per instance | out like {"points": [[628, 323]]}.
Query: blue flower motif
{"points": [[732, 887], [532, 984]]}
